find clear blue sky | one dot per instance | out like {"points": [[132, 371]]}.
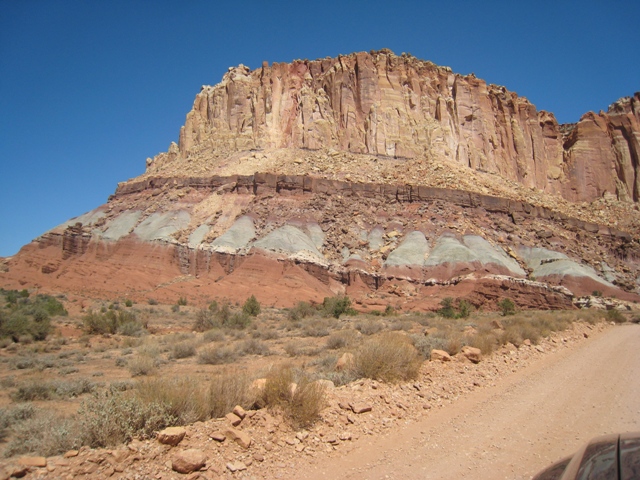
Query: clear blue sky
{"points": [[90, 89]]}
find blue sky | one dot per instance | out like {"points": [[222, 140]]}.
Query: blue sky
{"points": [[90, 89]]}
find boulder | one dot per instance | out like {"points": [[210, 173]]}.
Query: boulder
{"points": [[240, 437], [472, 353], [171, 435], [440, 355], [189, 461]]}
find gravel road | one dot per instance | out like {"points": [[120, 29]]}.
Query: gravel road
{"points": [[517, 427]]}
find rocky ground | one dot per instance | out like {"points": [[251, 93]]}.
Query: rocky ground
{"points": [[261, 445]]}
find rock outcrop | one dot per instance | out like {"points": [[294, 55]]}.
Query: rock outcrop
{"points": [[387, 178], [385, 105]]}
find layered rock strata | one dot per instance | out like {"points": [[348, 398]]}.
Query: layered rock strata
{"points": [[385, 105]]}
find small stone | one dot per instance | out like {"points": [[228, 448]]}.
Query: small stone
{"points": [[71, 454], [240, 437], [359, 408], [233, 419], [239, 411], [171, 435], [332, 439], [218, 436], [39, 462], [189, 461], [236, 466]]}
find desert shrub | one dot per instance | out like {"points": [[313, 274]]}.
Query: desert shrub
{"points": [[111, 322], [25, 324], [300, 399], [265, 333], [175, 308], [316, 327], [152, 301], [295, 348], [10, 416], [251, 306], [369, 326], [183, 349], [34, 390], [252, 346], [111, 418], [182, 301], [228, 389], [300, 311], [616, 316], [53, 389], [507, 307], [336, 306], [128, 303], [205, 320], [215, 355], [141, 365], [447, 310], [450, 310], [239, 320], [214, 335], [55, 435], [485, 340], [388, 357], [184, 398], [341, 339]]}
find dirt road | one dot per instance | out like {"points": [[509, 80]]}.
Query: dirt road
{"points": [[517, 427]]}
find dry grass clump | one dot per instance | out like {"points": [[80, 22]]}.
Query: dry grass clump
{"points": [[369, 326], [388, 357], [342, 339], [253, 346], [43, 433], [216, 355], [184, 349], [52, 389], [228, 389], [111, 418], [185, 398], [317, 326], [300, 399], [141, 365]]}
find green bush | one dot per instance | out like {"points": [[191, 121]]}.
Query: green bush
{"points": [[182, 301], [616, 316], [238, 320], [449, 310], [507, 307], [300, 311], [336, 306], [28, 318], [111, 322], [251, 306]]}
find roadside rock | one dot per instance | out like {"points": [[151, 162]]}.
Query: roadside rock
{"points": [[189, 461], [171, 435]]}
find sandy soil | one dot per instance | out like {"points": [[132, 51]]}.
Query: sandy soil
{"points": [[515, 428]]}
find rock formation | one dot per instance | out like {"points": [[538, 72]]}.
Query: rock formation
{"points": [[387, 178]]}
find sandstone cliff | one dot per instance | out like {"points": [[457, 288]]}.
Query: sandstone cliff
{"points": [[381, 104], [387, 178]]}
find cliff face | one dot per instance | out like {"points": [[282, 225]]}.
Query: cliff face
{"points": [[387, 178], [381, 104]]}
